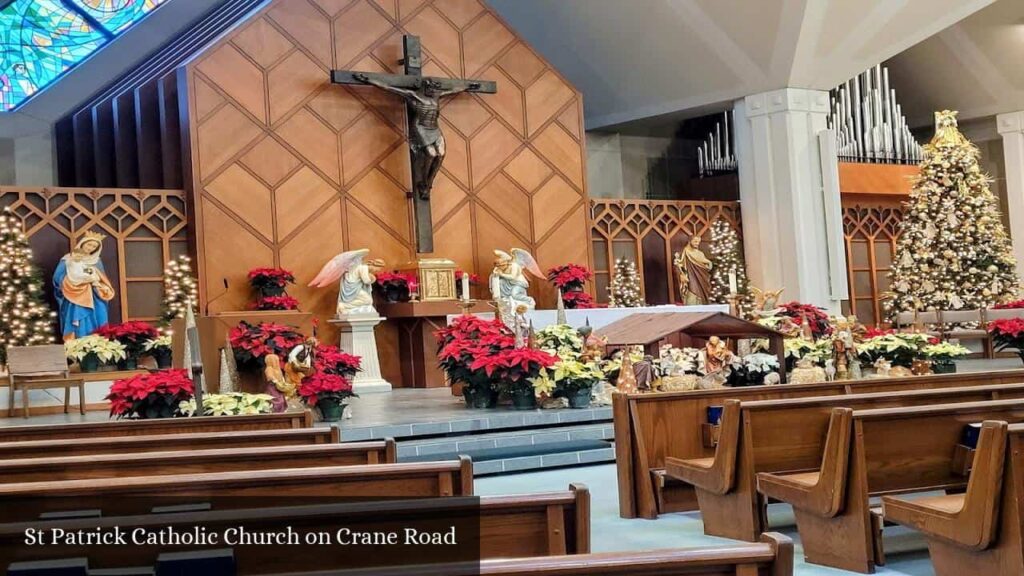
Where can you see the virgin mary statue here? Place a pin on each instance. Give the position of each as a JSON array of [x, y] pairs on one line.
[[82, 288]]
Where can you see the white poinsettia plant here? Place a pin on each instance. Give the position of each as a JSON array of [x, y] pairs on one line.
[[568, 375], [944, 352], [158, 343], [231, 404], [561, 340], [674, 361], [760, 363], [107, 351], [899, 348]]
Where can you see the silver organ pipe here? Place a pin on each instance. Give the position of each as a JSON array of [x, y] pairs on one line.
[[869, 123], [716, 154]]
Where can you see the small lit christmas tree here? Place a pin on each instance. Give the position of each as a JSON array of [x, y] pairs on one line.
[[25, 319], [180, 287], [726, 259], [624, 291], [952, 252]]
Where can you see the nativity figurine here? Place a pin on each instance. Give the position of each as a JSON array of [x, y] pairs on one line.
[[82, 288], [766, 302], [509, 285], [357, 275]]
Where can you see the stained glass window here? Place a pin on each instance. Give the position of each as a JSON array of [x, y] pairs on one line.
[[42, 39]]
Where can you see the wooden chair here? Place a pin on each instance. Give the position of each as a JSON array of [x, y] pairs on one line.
[[964, 317], [39, 368]]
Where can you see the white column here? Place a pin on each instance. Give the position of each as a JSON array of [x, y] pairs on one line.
[[357, 337], [782, 205], [1011, 127]]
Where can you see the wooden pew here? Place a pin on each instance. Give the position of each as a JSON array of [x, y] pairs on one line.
[[979, 531], [773, 556], [785, 436], [132, 495], [149, 427], [168, 442], [516, 526], [651, 427], [117, 465], [871, 453]]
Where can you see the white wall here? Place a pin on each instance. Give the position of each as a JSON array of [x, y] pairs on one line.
[[618, 164]]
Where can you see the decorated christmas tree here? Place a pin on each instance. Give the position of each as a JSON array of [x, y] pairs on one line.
[[952, 252], [25, 319], [727, 263], [624, 291], [179, 287]]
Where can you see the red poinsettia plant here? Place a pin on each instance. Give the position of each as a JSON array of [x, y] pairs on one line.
[[578, 300], [400, 279], [1008, 333], [321, 386], [876, 332], [569, 277], [465, 340], [814, 316], [331, 360], [1009, 305], [133, 335], [275, 303], [514, 365], [151, 395], [252, 342], [270, 277]]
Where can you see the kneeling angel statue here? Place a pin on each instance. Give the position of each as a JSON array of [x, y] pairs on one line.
[[509, 285], [357, 275]]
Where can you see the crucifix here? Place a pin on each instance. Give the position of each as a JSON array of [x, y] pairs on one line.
[[423, 95]]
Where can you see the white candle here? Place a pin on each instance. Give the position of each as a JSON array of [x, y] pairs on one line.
[[465, 286], [732, 282]]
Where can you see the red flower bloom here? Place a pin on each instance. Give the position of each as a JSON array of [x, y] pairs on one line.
[[578, 300], [331, 360], [252, 342], [473, 278], [270, 276], [569, 276], [155, 394], [133, 334], [816, 317], [1009, 305], [319, 386], [875, 332], [275, 303]]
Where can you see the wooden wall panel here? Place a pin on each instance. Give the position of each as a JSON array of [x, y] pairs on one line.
[[289, 169]]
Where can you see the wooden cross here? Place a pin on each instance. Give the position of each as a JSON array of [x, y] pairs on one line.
[[423, 95]]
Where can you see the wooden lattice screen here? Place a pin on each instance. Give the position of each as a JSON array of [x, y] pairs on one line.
[[145, 229], [649, 232], [871, 230]]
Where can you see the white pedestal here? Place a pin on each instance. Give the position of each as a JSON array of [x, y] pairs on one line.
[[357, 338]]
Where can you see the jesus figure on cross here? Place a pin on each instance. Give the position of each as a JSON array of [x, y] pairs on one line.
[[426, 141]]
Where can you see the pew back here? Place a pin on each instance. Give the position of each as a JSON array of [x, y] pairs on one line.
[[153, 426], [553, 523], [167, 442], [133, 495], [650, 427], [117, 465]]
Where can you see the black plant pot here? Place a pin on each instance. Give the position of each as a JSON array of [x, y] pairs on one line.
[[271, 290], [394, 293], [523, 398], [129, 363], [944, 368], [163, 358], [580, 398], [480, 397]]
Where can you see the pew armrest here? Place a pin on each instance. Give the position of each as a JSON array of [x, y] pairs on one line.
[[718, 474], [822, 492], [967, 520]]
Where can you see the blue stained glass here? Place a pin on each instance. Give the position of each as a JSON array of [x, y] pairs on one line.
[[42, 39]]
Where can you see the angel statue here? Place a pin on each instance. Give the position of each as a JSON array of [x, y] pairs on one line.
[[357, 275], [509, 284], [766, 302]]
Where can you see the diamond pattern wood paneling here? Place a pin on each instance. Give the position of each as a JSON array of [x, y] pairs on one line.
[[293, 169]]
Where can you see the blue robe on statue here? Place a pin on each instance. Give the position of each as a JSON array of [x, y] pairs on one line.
[[82, 305]]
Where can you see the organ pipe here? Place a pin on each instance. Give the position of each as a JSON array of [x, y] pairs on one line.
[[715, 155], [869, 123]]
